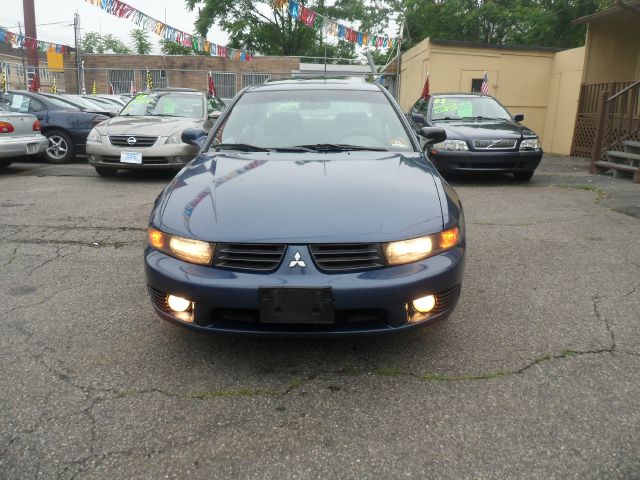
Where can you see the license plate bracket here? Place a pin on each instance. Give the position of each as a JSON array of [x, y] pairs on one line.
[[297, 305]]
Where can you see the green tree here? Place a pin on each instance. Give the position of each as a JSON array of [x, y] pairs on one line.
[[504, 22], [169, 47], [141, 42], [93, 42], [114, 45], [256, 25]]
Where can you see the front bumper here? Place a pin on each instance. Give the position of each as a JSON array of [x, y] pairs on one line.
[[159, 156], [21, 146], [373, 301], [475, 161]]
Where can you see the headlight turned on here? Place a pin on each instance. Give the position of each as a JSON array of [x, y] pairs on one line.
[[530, 144], [186, 249], [458, 145], [408, 251]]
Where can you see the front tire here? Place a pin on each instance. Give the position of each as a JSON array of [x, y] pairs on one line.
[[106, 172], [523, 176], [60, 148]]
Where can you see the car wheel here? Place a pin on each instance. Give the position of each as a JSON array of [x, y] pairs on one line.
[[524, 176], [60, 148], [106, 172]]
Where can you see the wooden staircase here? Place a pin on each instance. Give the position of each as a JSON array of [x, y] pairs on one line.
[[627, 161], [617, 139]]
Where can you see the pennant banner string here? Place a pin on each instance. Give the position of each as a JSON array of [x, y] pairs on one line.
[[320, 22], [22, 41], [121, 9]]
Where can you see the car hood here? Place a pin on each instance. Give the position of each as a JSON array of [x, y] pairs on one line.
[[310, 198], [484, 130], [151, 125]]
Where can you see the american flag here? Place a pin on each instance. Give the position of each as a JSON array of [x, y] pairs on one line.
[[484, 88]]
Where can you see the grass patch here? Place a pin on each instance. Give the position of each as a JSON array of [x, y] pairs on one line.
[[242, 392], [587, 188]]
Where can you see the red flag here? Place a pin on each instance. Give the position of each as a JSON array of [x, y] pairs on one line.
[[35, 84], [110, 88], [212, 86], [133, 89], [425, 90]]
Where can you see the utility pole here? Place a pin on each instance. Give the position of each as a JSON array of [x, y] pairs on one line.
[[30, 32], [24, 63], [399, 54], [78, 38]]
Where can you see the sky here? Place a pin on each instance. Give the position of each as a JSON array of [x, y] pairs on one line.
[[94, 19], [54, 20]]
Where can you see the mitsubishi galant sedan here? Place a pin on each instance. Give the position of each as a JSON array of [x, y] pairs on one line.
[[310, 210]]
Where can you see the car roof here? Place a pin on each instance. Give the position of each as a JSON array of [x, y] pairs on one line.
[[460, 94], [315, 84], [176, 89]]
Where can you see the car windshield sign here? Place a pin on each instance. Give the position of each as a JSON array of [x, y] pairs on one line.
[[165, 105], [317, 120], [467, 108]]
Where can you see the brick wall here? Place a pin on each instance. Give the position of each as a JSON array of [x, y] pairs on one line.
[[181, 71]]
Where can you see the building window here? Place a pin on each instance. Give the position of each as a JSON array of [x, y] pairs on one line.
[[249, 79], [121, 81], [225, 83], [158, 77], [476, 85]]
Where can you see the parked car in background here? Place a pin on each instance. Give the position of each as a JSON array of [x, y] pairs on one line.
[[147, 133], [310, 210], [83, 104], [65, 125], [482, 136], [19, 136], [115, 99]]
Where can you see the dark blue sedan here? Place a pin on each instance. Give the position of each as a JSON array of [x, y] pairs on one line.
[[310, 210], [65, 125]]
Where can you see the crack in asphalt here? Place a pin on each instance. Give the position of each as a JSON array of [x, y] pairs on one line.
[[600, 316], [74, 227]]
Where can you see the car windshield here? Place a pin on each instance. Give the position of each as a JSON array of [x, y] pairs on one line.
[[165, 105], [311, 119], [477, 108]]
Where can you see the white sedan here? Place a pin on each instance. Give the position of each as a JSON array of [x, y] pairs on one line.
[[19, 136]]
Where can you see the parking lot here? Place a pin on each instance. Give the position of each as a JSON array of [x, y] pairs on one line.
[[535, 375]]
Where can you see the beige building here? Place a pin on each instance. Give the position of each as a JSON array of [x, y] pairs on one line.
[[541, 83]]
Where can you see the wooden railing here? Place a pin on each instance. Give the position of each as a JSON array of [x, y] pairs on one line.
[[589, 103], [618, 119]]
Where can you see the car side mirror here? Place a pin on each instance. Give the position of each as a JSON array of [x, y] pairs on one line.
[[194, 136], [433, 135], [518, 117], [417, 117]]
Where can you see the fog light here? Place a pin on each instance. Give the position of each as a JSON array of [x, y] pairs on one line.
[[178, 304], [424, 304]]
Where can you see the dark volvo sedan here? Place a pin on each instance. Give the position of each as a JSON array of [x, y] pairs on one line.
[[310, 210], [481, 135]]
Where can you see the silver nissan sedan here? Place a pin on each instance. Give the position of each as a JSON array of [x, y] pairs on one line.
[[147, 133]]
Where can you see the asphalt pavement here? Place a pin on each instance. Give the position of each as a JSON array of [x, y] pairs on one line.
[[535, 375]]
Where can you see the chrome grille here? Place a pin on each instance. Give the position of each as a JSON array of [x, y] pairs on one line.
[[159, 299], [141, 141], [347, 256], [499, 144], [247, 256]]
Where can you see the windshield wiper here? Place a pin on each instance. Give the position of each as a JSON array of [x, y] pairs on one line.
[[445, 118], [480, 117], [242, 147], [339, 147]]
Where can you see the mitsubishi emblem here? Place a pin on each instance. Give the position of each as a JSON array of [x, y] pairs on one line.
[[296, 262]]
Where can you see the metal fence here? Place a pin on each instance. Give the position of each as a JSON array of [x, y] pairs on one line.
[[227, 84]]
